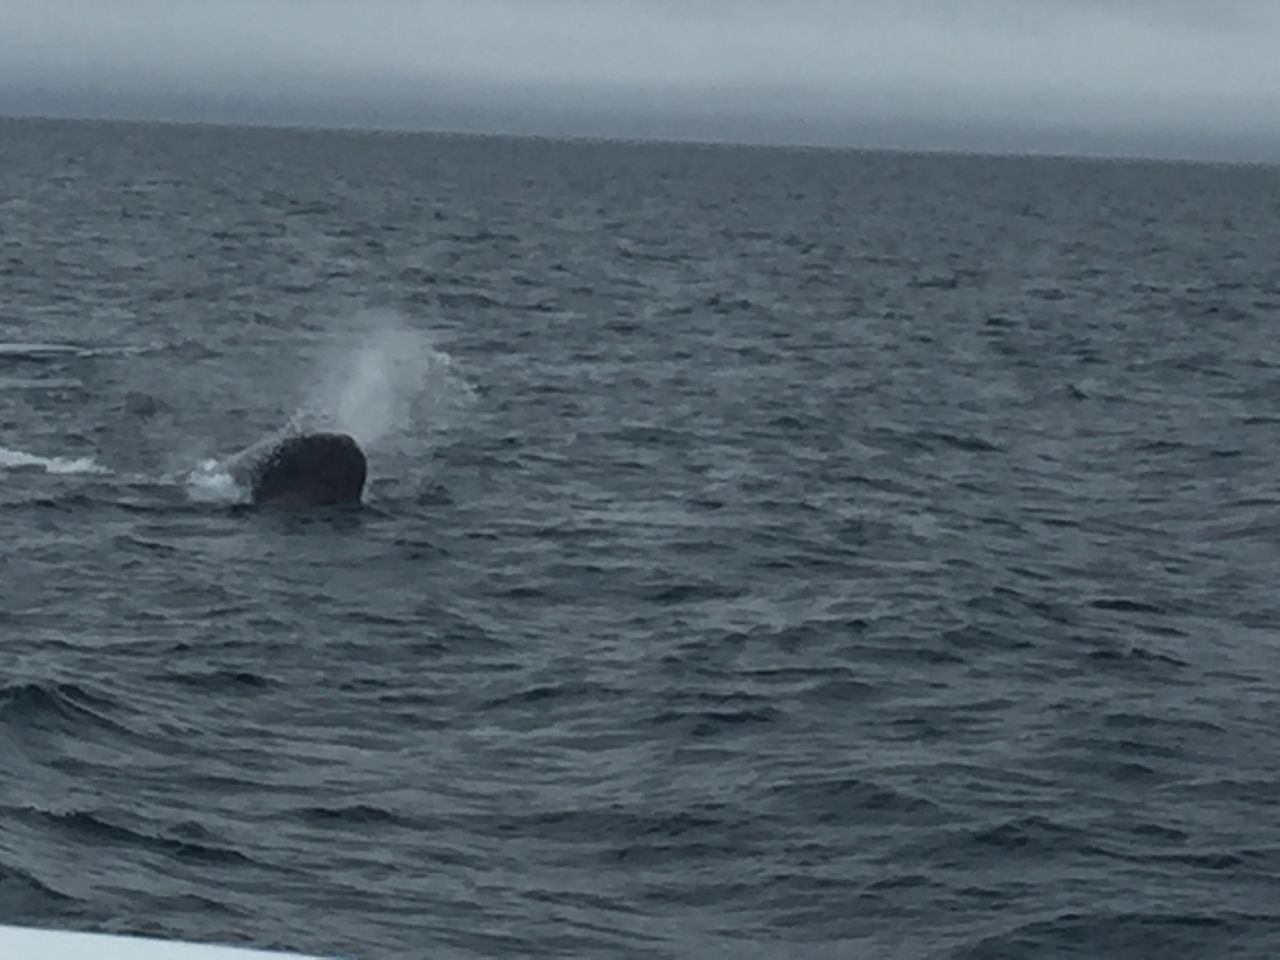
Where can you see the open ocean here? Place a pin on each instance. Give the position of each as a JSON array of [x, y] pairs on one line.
[[768, 553]]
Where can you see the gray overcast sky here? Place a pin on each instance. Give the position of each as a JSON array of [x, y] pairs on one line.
[[1171, 77]]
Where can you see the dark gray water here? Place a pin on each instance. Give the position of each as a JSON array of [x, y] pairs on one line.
[[767, 554]]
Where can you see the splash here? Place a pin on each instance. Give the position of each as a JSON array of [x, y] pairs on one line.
[[211, 482], [18, 460], [385, 384]]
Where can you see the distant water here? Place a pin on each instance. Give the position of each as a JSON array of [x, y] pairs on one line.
[[768, 554]]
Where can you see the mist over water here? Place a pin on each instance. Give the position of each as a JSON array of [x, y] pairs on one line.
[[384, 384]]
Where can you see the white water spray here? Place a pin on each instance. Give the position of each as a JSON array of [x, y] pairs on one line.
[[389, 383], [212, 482]]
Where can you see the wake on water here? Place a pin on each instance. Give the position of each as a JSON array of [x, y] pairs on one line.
[[388, 387]]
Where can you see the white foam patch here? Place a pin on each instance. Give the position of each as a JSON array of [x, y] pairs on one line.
[[211, 482], [19, 460]]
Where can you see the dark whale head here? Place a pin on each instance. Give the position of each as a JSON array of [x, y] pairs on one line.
[[309, 470]]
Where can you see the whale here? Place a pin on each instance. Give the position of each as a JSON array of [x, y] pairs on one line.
[[304, 470]]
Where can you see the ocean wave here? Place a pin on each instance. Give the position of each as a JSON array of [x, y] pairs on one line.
[[43, 352], [40, 383], [37, 704], [1140, 934], [99, 829], [24, 894], [40, 351]]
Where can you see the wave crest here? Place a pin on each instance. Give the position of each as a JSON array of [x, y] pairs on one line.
[[21, 460]]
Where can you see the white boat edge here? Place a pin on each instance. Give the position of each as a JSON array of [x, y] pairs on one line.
[[29, 943]]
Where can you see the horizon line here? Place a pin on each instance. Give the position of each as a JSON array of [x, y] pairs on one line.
[[495, 132]]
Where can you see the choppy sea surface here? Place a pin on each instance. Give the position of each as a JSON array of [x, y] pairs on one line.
[[767, 553]]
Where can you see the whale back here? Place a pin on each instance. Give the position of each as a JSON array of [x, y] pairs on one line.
[[312, 469]]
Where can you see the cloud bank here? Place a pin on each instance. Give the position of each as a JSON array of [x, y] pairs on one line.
[[996, 72]]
